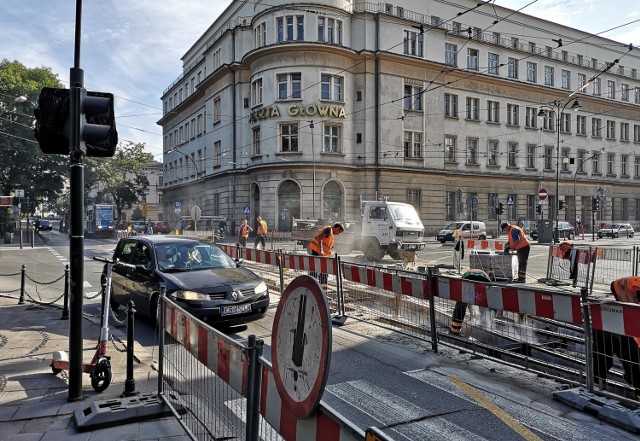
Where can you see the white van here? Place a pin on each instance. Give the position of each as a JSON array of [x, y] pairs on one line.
[[468, 230]]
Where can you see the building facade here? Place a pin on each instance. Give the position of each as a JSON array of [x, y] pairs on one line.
[[302, 110]]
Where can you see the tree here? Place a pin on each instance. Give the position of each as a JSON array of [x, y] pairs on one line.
[[22, 164], [120, 180]]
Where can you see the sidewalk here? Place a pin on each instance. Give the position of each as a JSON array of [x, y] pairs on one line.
[[33, 401]]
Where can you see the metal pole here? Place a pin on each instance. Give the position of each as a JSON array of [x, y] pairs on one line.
[[76, 235], [587, 339], [432, 310], [130, 382], [161, 301], [65, 305], [313, 158], [556, 237], [23, 273]]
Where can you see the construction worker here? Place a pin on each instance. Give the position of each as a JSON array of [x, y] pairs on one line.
[[261, 234], [243, 233], [460, 309], [519, 243], [322, 245], [607, 344]]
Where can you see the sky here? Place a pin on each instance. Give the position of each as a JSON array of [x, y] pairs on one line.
[[133, 48]]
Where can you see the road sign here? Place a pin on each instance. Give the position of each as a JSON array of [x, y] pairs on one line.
[[246, 209], [509, 200], [176, 206], [19, 192], [196, 213], [542, 194]]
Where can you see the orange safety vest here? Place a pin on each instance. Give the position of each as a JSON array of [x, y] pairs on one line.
[[244, 230], [627, 290], [323, 242], [517, 244], [262, 228]]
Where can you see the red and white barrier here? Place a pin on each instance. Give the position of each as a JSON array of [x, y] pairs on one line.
[[617, 317], [300, 262], [583, 256], [557, 306], [414, 287], [251, 254], [477, 244]]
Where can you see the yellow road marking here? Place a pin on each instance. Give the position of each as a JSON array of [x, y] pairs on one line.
[[487, 404]]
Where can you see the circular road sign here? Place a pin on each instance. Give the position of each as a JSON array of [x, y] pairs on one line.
[[542, 194], [195, 213]]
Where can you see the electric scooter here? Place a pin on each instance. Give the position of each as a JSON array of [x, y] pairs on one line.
[[100, 367]]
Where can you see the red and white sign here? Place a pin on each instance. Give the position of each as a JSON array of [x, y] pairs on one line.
[[542, 194]]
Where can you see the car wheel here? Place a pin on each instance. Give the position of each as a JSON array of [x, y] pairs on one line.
[[615, 235], [483, 237], [570, 236], [630, 235], [442, 241]]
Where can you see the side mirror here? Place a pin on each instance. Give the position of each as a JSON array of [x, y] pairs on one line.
[[239, 261]]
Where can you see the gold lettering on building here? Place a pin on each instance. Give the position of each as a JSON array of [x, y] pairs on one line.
[[322, 110]]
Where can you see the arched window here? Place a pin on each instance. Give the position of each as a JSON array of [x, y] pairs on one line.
[[288, 204], [332, 209]]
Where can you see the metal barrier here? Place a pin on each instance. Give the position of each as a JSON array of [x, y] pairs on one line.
[[570, 264], [614, 263]]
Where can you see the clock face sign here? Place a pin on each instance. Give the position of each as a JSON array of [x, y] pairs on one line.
[[301, 345]]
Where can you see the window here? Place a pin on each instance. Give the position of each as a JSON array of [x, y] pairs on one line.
[[412, 144], [513, 68], [290, 28], [449, 148], [594, 63], [624, 159], [492, 152], [580, 59], [582, 82], [513, 114], [597, 87], [435, 21], [413, 43], [495, 38], [477, 33], [515, 43], [217, 110], [217, 153], [548, 121], [289, 137], [531, 120], [472, 151], [624, 92], [451, 54], [565, 159], [610, 163], [259, 36], [532, 47], [332, 138], [549, 51], [532, 72], [611, 129], [566, 79], [256, 141], [472, 59], [565, 56], [596, 127], [329, 30], [473, 109], [450, 206], [512, 149], [611, 89], [414, 197], [456, 28], [451, 105], [492, 203], [595, 164], [624, 131], [531, 156], [565, 123], [331, 87], [636, 133], [636, 168], [412, 97], [580, 166], [256, 92], [581, 125], [548, 154], [289, 86], [494, 63], [634, 73], [636, 95], [493, 111], [548, 76]]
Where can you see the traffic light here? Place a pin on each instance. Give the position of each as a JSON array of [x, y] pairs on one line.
[[98, 135], [500, 208], [560, 205], [595, 203], [539, 209]]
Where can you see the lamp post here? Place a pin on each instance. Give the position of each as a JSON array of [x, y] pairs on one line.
[[175, 149], [313, 159], [575, 204], [558, 106]]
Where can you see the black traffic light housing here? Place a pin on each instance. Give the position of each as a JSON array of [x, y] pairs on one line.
[[539, 209], [98, 135], [560, 205], [500, 208], [595, 203]]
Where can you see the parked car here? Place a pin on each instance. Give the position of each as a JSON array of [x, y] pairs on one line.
[[616, 230], [565, 230], [198, 276], [162, 227], [479, 231], [528, 226], [140, 227]]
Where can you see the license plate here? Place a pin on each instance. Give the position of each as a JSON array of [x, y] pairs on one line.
[[235, 309]]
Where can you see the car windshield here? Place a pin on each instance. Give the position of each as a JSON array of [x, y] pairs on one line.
[[192, 256], [454, 226], [405, 213]]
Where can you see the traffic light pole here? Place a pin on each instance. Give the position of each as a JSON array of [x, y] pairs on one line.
[[76, 232]]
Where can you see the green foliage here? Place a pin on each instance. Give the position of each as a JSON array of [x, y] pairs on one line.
[[122, 178]]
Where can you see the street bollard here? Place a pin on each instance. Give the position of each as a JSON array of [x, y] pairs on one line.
[[255, 348], [130, 382], [65, 305], [23, 275]]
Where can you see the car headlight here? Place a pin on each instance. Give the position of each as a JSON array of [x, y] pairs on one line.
[[260, 288], [190, 295]]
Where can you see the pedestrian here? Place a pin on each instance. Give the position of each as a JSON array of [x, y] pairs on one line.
[[517, 242], [243, 233], [261, 234], [460, 309], [322, 245], [149, 229], [607, 344]]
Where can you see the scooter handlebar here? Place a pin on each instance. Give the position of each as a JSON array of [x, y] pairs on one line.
[[103, 259]]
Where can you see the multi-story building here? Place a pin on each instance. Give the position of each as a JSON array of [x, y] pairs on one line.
[[303, 109]]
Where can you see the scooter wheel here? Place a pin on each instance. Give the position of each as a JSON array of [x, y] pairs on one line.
[[101, 376]]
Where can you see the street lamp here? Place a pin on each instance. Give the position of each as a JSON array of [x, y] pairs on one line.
[[175, 149], [558, 106], [575, 204], [313, 158]]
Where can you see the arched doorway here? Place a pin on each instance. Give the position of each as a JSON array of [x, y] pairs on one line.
[[288, 203], [332, 209]]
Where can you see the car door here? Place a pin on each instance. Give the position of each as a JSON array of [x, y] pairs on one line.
[[119, 282]]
